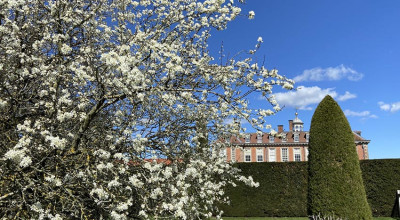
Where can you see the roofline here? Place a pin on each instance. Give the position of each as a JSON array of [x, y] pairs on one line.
[[287, 143], [271, 144]]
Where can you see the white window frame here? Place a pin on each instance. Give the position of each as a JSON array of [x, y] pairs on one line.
[[247, 152], [285, 158], [284, 138], [259, 138], [272, 156], [260, 153], [224, 154], [271, 139], [296, 137], [233, 154], [297, 152], [247, 139], [306, 152]]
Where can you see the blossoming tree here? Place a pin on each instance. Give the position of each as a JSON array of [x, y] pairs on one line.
[[91, 91]]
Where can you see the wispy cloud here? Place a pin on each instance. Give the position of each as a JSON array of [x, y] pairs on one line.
[[303, 97], [347, 95], [363, 114], [329, 74], [392, 107]]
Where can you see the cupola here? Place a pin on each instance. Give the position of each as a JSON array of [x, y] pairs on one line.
[[297, 124]]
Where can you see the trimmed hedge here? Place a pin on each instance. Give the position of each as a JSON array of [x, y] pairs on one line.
[[381, 180], [283, 189], [335, 184]]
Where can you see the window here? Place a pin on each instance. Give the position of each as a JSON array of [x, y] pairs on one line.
[[271, 139], [298, 127], [306, 149], [271, 154], [233, 154], [284, 138], [247, 155], [296, 137], [297, 154], [259, 138], [285, 155], [365, 154], [307, 137], [223, 153], [247, 138], [260, 154]]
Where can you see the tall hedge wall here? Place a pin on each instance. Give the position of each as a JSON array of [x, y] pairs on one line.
[[283, 189]]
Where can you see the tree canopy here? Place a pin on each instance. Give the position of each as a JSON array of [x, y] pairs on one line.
[[92, 91]]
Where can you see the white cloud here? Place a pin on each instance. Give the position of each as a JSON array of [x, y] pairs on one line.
[[230, 121], [347, 95], [330, 74], [393, 107], [363, 114], [303, 97]]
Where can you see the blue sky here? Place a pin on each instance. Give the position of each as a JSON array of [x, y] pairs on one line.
[[348, 49]]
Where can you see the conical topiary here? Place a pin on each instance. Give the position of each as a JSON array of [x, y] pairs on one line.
[[335, 185]]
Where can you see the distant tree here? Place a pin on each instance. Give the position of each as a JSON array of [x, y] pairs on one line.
[[91, 91], [335, 185]]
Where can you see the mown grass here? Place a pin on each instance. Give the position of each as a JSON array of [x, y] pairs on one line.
[[283, 218]]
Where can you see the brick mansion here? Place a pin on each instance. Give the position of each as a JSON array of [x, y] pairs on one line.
[[291, 145]]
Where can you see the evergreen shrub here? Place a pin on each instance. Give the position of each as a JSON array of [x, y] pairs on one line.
[[335, 185]]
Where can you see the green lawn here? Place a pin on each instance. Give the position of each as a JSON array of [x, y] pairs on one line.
[[276, 218]]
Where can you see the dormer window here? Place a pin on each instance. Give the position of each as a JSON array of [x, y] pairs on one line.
[[247, 139], [284, 138], [296, 137], [271, 139], [307, 137], [259, 138]]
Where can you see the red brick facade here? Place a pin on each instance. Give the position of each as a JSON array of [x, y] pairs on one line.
[[289, 145]]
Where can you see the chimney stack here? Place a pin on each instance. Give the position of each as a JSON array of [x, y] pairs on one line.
[[280, 128], [290, 125]]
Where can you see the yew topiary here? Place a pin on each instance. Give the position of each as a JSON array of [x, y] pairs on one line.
[[335, 183]]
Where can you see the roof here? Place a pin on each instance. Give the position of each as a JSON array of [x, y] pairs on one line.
[[358, 138]]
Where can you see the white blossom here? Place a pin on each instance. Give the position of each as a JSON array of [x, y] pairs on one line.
[[251, 14], [25, 162], [136, 182], [100, 193], [114, 183]]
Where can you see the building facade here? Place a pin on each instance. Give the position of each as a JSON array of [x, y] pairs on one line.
[[284, 146]]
